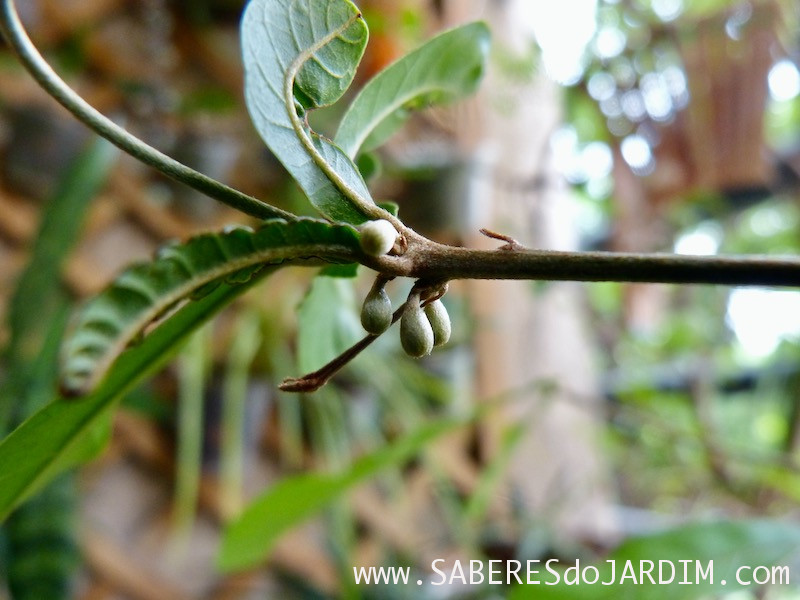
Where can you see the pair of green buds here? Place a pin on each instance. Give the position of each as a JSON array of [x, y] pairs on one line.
[[423, 324]]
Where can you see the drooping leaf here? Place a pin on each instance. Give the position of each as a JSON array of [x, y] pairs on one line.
[[117, 316], [42, 554], [234, 425], [725, 545], [39, 303], [45, 444], [491, 476], [327, 323], [300, 55], [444, 69], [193, 364], [249, 539]]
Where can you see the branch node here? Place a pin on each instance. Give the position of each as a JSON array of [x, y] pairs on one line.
[[433, 292]]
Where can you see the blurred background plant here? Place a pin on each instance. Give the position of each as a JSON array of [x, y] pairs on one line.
[[561, 419]]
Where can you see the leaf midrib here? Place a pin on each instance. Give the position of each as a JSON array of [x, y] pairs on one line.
[[367, 207]]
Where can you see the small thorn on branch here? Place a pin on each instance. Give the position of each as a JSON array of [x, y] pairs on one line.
[[510, 243]]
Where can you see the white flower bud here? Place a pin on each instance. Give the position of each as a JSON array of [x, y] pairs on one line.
[[416, 334], [377, 237], [376, 313], [440, 322]]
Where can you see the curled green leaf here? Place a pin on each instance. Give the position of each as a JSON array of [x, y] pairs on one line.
[[300, 55], [120, 314]]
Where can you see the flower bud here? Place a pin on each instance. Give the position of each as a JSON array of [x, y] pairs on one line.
[[376, 312], [377, 237], [416, 334], [440, 322]]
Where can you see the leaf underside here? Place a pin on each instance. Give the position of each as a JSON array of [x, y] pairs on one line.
[[121, 313], [323, 41]]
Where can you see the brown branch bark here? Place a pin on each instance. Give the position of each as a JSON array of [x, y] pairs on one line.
[[436, 262]]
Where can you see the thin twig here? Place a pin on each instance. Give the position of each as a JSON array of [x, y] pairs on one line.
[[511, 243], [32, 60], [313, 381]]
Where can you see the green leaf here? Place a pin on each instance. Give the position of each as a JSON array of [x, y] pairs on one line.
[[249, 540], [370, 166], [347, 271], [245, 345], [727, 544], [446, 68], [193, 362], [44, 445], [117, 316], [42, 555], [492, 475], [390, 207], [328, 325], [300, 55], [58, 231], [39, 304]]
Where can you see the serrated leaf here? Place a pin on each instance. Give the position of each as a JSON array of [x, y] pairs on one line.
[[119, 315], [46, 444], [300, 55], [249, 539], [446, 68]]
